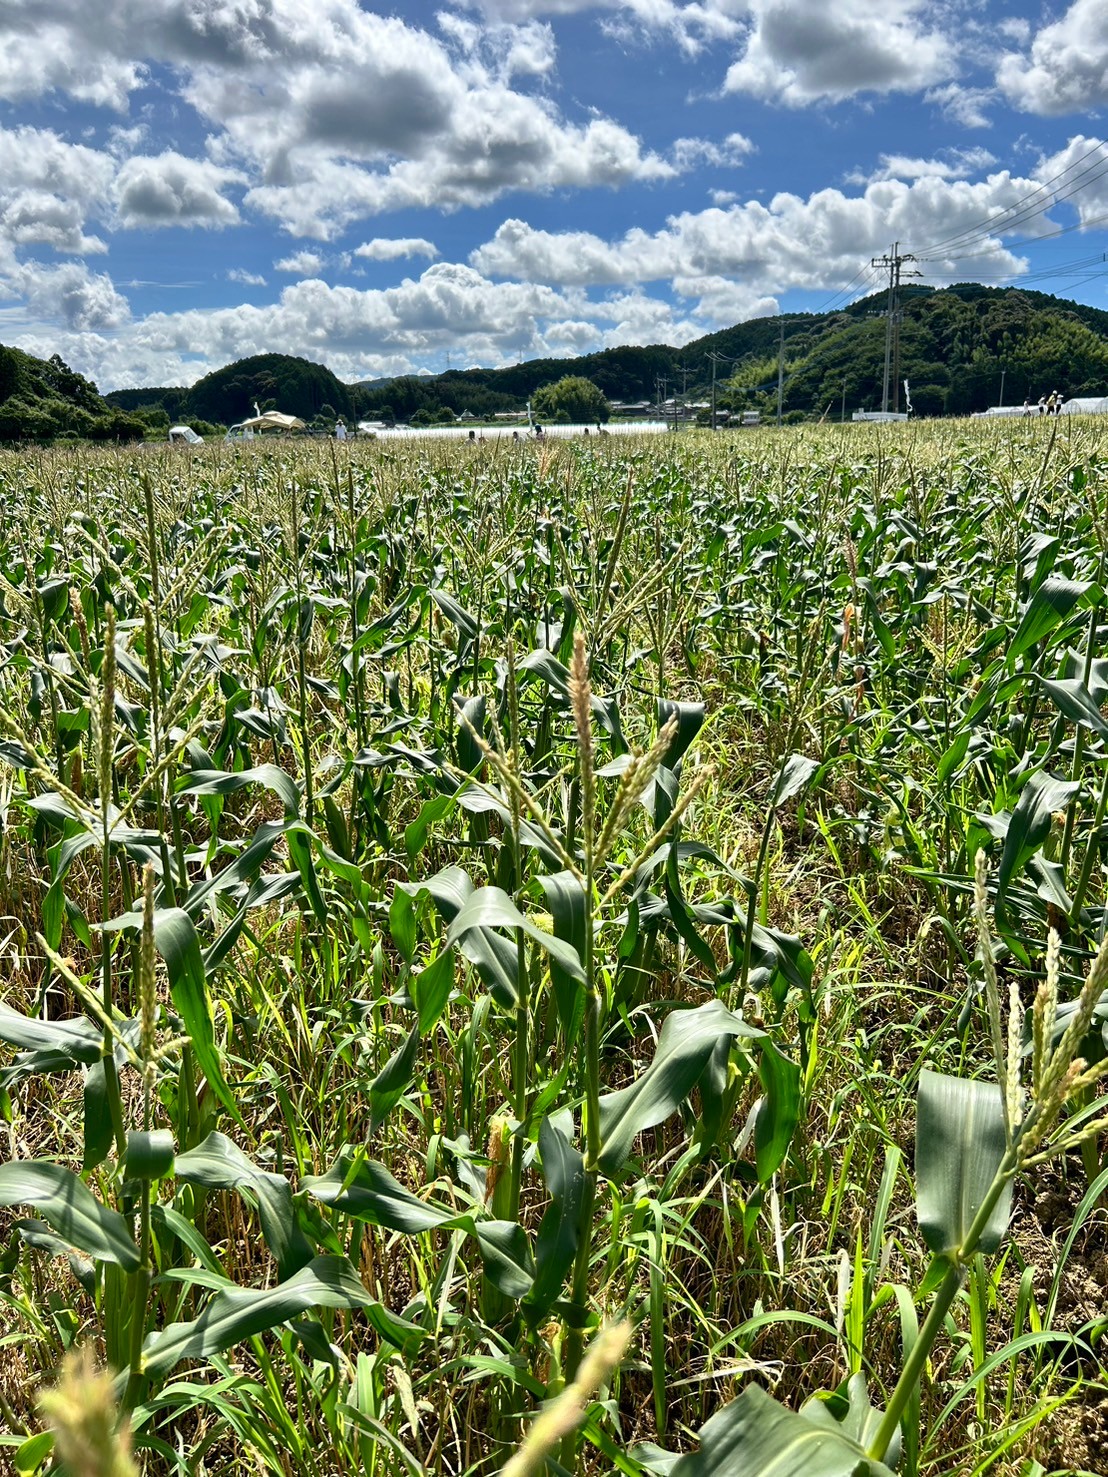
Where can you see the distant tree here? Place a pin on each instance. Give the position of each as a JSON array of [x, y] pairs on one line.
[[572, 398]]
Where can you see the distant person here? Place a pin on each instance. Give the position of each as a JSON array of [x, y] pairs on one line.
[[473, 435], [340, 431], [1027, 405], [1042, 405]]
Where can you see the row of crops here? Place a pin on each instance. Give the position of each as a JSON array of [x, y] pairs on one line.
[[578, 956]]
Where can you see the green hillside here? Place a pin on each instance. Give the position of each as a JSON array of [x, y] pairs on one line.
[[43, 400], [270, 381], [955, 344]]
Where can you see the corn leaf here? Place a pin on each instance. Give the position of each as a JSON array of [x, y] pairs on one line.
[[219, 1164], [755, 1436], [238, 1313], [70, 1207], [960, 1143]]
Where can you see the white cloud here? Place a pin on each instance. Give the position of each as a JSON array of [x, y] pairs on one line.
[[804, 51], [49, 188], [301, 264], [691, 153], [69, 295], [1080, 169], [964, 105], [959, 164], [248, 279], [170, 190], [1067, 68], [392, 249]]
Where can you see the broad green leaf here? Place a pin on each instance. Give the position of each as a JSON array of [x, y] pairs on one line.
[[99, 1129], [1074, 701], [394, 1079], [219, 782], [177, 942], [960, 1144], [77, 1039], [849, 1411], [366, 1190], [70, 1207], [794, 774], [754, 1436], [494, 957], [1030, 824], [430, 989], [779, 1113], [238, 1313], [491, 907], [565, 897], [219, 1164], [684, 1047], [506, 1256], [1051, 603], [559, 1230], [149, 1154]]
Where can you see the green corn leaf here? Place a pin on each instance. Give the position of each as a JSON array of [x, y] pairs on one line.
[[99, 1130], [176, 940], [238, 1313], [1030, 824], [365, 1189], [70, 1207], [559, 1230], [1051, 603], [219, 1164], [506, 1256], [960, 1144], [430, 989], [394, 1079], [1074, 701], [779, 1113], [491, 907], [76, 1039], [684, 1048], [149, 1154], [755, 1436], [795, 773], [220, 782], [849, 1411], [565, 897], [494, 957]]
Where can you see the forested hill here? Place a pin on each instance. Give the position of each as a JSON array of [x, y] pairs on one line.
[[43, 400], [955, 345]]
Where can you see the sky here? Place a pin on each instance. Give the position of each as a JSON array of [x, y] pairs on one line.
[[184, 183]]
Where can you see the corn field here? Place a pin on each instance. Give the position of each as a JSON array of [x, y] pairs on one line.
[[583, 957]]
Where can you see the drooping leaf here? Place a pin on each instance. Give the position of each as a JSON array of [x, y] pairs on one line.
[[366, 1190], [795, 773], [556, 1244], [779, 1113], [506, 1256], [960, 1144], [491, 907], [237, 1313], [687, 1040], [70, 1207], [565, 897], [1030, 824], [220, 782], [430, 989], [176, 940], [755, 1436], [219, 1164], [394, 1079], [1051, 603]]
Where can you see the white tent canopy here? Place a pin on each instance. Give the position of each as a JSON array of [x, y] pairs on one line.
[[274, 420]]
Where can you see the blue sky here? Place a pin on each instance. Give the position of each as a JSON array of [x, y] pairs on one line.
[[187, 182]]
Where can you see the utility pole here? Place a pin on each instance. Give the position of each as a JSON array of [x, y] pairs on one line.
[[780, 367], [893, 261], [1003, 372], [842, 413], [713, 358]]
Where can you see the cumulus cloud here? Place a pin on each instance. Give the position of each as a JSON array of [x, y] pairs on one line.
[[69, 295], [958, 164], [171, 190], [248, 279], [301, 264], [748, 251], [799, 52], [392, 249], [1066, 69], [964, 105]]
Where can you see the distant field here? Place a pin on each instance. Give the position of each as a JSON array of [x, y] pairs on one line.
[[458, 898]]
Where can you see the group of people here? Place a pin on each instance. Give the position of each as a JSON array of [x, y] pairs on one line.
[[1048, 404]]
